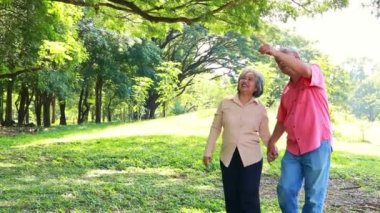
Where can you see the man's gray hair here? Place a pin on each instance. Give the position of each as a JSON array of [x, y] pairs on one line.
[[289, 50]]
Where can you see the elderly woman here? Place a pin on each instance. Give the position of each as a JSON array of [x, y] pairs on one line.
[[244, 121]]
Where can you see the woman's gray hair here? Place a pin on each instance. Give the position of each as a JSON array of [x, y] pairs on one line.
[[259, 81]]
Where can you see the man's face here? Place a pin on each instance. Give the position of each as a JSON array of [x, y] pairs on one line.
[[284, 69], [282, 66]]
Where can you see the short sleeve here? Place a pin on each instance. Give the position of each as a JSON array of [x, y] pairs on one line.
[[317, 78], [281, 113]]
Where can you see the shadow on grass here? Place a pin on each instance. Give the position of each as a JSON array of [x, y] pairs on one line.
[[141, 174], [137, 174]]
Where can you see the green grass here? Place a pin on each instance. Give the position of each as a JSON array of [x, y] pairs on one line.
[[139, 174], [53, 132], [363, 170], [150, 166]]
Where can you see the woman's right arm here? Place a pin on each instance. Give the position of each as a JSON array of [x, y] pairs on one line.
[[215, 130]]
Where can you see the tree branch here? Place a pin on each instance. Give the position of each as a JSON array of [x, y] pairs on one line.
[[170, 37], [19, 72], [130, 7], [185, 5], [304, 5]]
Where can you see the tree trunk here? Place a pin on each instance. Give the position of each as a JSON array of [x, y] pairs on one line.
[[109, 108], [87, 106], [151, 105], [98, 99], [53, 117], [123, 117], [109, 113], [83, 105], [23, 105], [38, 107], [27, 116], [164, 110], [104, 115], [62, 108], [80, 106], [46, 109], [28, 102], [1, 103], [8, 110]]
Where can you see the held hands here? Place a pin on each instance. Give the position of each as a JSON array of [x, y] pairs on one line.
[[272, 152]]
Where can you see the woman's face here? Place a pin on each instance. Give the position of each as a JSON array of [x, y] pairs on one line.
[[247, 83]]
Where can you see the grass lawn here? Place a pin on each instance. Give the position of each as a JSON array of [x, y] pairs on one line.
[[153, 166]]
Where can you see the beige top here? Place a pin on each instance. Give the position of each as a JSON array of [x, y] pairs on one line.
[[243, 126]]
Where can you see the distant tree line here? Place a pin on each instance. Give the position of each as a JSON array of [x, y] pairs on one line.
[[88, 61]]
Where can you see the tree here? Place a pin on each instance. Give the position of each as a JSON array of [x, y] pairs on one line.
[[22, 30], [140, 90], [337, 81], [24, 99], [143, 58], [197, 51], [233, 15], [41, 36], [168, 83], [105, 58], [366, 93], [28, 30], [118, 90], [366, 99], [207, 90], [1, 102]]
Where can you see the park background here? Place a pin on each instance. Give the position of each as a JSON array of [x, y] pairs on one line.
[[106, 105]]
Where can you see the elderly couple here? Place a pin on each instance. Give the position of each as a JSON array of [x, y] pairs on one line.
[[303, 114]]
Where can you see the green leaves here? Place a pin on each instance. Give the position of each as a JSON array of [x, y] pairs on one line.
[[140, 94], [219, 16], [55, 52], [168, 80], [367, 99]]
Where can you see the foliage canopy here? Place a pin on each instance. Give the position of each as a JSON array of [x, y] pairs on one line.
[[218, 15]]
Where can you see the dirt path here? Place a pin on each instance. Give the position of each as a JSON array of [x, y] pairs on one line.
[[14, 131], [343, 196]]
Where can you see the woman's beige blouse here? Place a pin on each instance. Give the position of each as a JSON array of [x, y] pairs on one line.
[[243, 126]]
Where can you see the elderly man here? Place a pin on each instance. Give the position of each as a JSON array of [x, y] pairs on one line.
[[304, 115]]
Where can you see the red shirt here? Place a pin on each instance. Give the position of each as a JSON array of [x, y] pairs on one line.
[[304, 113]]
